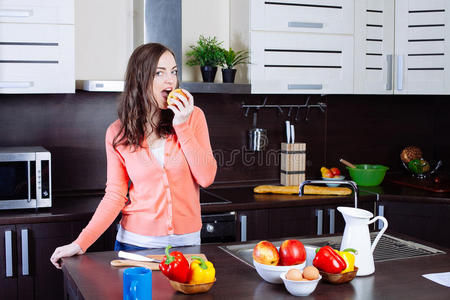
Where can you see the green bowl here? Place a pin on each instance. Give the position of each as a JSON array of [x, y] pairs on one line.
[[367, 175]]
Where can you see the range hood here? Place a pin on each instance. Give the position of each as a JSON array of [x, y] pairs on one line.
[[153, 21]]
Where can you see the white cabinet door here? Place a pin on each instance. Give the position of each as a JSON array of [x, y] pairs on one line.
[[324, 16], [422, 37], [301, 63], [374, 46], [36, 58], [37, 11]]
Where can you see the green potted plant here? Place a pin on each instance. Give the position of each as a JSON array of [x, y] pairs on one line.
[[207, 54], [232, 58]]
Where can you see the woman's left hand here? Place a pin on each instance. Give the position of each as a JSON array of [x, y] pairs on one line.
[[182, 108]]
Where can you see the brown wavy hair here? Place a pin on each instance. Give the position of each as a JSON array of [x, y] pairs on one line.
[[137, 106]]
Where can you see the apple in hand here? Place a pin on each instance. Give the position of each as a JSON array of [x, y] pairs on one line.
[[266, 253], [292, 252]]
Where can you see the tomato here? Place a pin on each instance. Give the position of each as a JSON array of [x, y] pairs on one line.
[[292, 252], [335, 171]]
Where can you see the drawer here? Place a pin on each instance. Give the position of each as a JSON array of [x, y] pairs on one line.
[[301, 63], [37, 11], [326, 16], [36, 58]]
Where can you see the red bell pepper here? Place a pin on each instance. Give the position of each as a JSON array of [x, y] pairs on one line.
[[175, 266], [328, 260]]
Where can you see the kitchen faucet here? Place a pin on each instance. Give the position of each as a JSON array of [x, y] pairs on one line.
[[346, 182]]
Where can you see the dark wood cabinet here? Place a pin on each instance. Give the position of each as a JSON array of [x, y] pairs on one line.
[[427, 221], [292, 221], [25, 249], [253, 225], [25, 268]]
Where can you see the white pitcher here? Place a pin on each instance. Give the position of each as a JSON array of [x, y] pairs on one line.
[[357, 236]]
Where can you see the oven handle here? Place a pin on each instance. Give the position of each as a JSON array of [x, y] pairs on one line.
[[243, 219]]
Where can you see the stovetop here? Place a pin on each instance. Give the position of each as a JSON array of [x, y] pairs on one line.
[[209, 198]]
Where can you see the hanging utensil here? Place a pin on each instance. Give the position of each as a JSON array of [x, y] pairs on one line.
[[257, 137]]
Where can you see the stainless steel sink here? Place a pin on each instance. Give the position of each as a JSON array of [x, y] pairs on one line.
[[388, 248]]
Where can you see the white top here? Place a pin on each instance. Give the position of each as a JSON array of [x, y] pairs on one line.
[[159, 153]]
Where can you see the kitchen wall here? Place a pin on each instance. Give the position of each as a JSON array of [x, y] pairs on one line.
[[359, 128]]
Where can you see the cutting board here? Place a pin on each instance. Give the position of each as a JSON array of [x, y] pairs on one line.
[[147, 264], [428, 184]]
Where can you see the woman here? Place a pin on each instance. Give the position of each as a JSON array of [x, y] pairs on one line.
[[158, 155]]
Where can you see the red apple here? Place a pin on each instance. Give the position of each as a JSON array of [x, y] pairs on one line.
[[335, 171], [266, 253], [292, 252]]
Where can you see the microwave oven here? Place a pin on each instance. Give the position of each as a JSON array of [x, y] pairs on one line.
[[25, 178]]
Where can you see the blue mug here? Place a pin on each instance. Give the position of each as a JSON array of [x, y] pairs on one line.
[[137, 284]]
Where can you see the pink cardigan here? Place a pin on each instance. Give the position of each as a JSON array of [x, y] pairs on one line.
[[163, 200]]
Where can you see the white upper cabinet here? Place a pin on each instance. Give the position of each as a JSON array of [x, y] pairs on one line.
[[301, 63], [318, 16], [402, 47], [37, 46], [296, 46], [37, 11], [422, 37], [374, 46]]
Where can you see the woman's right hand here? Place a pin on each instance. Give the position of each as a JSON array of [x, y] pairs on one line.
[[65, 251]]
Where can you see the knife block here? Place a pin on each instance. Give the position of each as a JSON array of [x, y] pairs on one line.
[[293, 162]]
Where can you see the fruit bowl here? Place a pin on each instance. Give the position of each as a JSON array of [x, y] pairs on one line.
[[339, 277], [272, 273], [339, 177], [300, 288], [414, 172], [187, 288]]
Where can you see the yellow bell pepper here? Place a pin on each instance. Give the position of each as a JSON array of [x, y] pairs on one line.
[[201, 271], [349, 258]]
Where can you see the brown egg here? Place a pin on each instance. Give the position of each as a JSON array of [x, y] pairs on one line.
[[310, 273], [294, 274]]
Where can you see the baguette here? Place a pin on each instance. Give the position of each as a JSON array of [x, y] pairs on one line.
[[307, 190]]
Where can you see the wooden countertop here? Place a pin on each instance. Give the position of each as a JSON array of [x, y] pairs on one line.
[[90, 276]]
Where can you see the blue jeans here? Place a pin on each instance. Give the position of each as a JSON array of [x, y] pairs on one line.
[[119, 246]]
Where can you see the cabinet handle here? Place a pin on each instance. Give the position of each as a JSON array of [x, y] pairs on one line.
[[8, 253], [305, 25], [381, 214], [25, 261], [305, 86], [16, 84], [319, 215], [16, 13], [331, 215], [399, 72], [243, 219], [389, 72]]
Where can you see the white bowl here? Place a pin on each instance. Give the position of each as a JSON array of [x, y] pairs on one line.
[[300, 288], [340, 177], [272, 273]]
